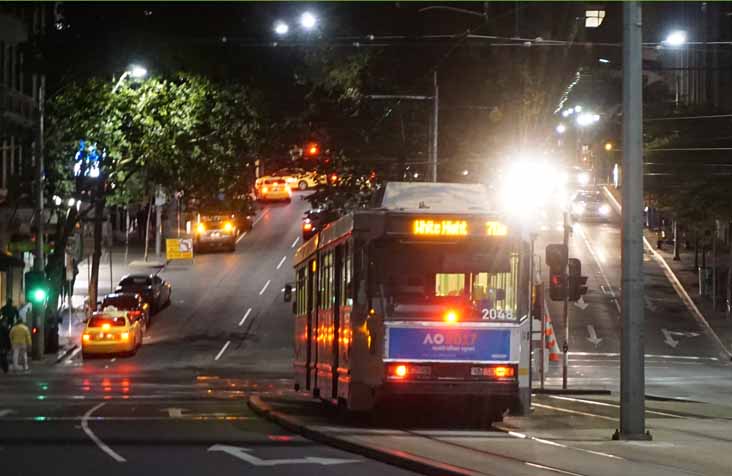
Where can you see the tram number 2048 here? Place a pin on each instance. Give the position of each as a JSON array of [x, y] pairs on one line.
[[497, 314]]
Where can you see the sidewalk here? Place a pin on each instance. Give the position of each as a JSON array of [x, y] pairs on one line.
[[687, 275]]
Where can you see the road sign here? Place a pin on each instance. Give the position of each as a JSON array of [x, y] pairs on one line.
[[179, 248]]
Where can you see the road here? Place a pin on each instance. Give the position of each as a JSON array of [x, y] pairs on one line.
[[179, 405], [682, 361]]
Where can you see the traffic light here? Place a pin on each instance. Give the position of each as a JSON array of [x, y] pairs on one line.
[[36, 287], [577, 282], [312, 149], [556, 259]]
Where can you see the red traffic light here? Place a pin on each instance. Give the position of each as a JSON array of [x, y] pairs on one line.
[[312, 149]]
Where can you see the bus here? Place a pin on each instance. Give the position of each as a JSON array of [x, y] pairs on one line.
[[425, 294]]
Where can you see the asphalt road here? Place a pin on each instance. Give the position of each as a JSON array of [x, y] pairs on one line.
[[682, 361], [179, 405]]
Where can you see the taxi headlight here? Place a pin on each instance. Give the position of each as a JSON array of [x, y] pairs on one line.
[[201, 228], [228, 226]]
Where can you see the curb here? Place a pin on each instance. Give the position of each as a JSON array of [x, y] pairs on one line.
[[570, 391], [65, 354], [397, 458]]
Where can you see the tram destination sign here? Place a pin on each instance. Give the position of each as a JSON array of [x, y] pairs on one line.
[[445, 226], [454, 344]]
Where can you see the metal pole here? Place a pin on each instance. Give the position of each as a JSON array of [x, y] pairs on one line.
[[676, 241], [71, 309], [39, 263], [531, 314], [127, 232], [435, 125], [632, 365], [714, 268], [111, 275], [565, 307], [159, 229]]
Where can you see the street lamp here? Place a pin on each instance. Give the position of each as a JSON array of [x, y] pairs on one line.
[[561, 129], [281, 28], [587, 119], [675, 39], [135, 71], [308, 20]]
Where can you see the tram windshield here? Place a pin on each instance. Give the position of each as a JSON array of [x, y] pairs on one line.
[[418, 279]]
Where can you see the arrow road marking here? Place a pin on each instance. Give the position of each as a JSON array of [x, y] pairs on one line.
[[295, 242], [684, 333], [281, 262], [668, 338], [649, 304], [243, 319], [265, 287], [593, 336], [223, 349], [243, 454], [174, 412], [608, 286], [580, 303], [6, 412]]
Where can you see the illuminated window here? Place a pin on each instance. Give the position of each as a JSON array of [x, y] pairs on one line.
[[594, 18], [449, 284], [497, 290]]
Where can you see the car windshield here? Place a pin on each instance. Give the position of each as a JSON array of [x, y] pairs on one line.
[[100, 321], [136, 281], [121, 302]]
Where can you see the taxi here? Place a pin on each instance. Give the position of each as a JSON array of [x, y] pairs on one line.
[[112, 331], [300, 179], [273, 188]]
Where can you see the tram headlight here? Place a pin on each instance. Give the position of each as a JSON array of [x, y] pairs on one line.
[[451, 316], [400, 371]]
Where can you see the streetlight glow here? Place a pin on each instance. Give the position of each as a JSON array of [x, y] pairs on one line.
[[586, 119], [138, 72], [281, 28], [675, 39], [308, 20], [561, 129]]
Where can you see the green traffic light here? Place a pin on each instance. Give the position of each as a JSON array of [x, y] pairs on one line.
[[39, 295]]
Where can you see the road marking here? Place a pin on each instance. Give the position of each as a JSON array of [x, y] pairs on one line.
[[572, 412], [295, 242], [599, 266], [174, 412], [5, 412], [555, 470], [113, 359], [593, 335], [241, 237], [607, 404], [266, 285], [73, 354], [580, 303], [668, 339], [223, 349], [243, 454], [260, 217], [243, 319], [102, 446], [652, 356], [678, 287], [282, 261], [649, 304]]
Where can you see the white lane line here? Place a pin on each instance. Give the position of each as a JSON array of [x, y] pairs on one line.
[[113, 359], [266, 285], [223, 349], [599, 266], [72, 355], [612, 405], [102, 446], [295, 242], [678, 287], [282, 261], [260, 217], [652, 356], [241, 237], [243, 319]]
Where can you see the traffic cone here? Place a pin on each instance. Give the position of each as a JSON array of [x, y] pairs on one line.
[[551, 341]]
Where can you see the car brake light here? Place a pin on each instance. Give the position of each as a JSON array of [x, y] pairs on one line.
[[228, 226], [86, 337], [201, 228], [265, 190], [125, 336], [400, 371], [307, 226], [105, 326], [503, 372]]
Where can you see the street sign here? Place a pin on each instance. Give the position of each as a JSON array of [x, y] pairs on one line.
[[179, 248]]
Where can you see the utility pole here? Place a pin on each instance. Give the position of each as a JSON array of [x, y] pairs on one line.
[[565, 307], [435, 124], [39, 340], [632, 363]]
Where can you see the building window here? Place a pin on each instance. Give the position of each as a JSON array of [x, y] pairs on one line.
[[594, 18]]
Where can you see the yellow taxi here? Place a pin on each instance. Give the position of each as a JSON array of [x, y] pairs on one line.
[[112, 331], [273, 188], [300, 179]]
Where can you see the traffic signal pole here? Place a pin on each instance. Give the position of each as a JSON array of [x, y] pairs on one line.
[[632, 364]]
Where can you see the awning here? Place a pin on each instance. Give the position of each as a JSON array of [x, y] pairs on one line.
[[8, 261]]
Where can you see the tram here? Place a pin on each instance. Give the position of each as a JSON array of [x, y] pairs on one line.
[[424, 294]]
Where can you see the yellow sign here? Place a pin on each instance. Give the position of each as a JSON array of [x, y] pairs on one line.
[[440, 227], [495, 228], [179, 248]]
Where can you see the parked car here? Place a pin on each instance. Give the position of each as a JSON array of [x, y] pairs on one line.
[[130, 302], [111, 331], [154, 290]]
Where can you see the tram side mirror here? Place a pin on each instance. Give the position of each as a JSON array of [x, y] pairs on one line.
[[288, 293]]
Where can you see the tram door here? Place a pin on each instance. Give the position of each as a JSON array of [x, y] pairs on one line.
[[312, 325]]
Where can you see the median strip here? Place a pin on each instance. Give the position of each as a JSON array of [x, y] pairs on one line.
[[243, 319], [266, 285]]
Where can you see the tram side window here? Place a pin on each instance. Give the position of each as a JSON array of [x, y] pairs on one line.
[[346, 276], [497, 290], [302, 291], [326, 280], [449, 284]]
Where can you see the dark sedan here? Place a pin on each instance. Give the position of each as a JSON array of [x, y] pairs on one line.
[[154, 290]]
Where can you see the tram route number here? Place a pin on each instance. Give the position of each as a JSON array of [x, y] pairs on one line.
[[497, 314]]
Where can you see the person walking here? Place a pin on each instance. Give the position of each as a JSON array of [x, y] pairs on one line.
[[4, 345], [9, 313], [20, 340]]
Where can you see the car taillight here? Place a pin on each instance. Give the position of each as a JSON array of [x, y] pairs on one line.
[[307, 226], [124, 336], [497, 372], [451, 317], [265, 190], [402, 371], [86, 337]]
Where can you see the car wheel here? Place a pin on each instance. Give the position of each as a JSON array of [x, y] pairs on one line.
[[303, 185]]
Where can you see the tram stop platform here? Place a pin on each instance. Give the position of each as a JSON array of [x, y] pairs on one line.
[[563, 435]]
